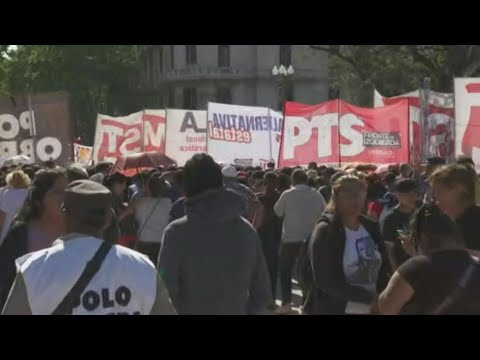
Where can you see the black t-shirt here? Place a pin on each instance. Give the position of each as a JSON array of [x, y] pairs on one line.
[[435, 277], [469, 224], [394, 221], [272, 225]]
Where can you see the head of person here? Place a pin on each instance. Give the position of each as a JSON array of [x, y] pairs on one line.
[[103, 168], [45, 197], [389, 179], [375, 188], [405, 190], [75, 173], [328, 173], [433, 164], [157, 186], [299, 177], [116, 183], [465, 160], [312, 173], [287, 171], [433, 230], [87, 207], [312, 166], [349, 194], [283, 182], [200, 174], [177, 178], [271, 165], [270, 181], [405, 170], [256, 180], [50, 164], [18, 180], [453, 187], [394, 168], [229, 173]]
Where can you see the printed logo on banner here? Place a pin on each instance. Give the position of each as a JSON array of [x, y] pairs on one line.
[[243, 162], [374, 139]]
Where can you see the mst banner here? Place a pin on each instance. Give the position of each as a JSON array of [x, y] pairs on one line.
[[467, 118], [243, 135], [441, 123], [186, 134], [336, 132], [40, 130], [141, 131]]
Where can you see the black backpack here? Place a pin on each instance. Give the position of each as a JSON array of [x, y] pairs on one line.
[[304, 268]]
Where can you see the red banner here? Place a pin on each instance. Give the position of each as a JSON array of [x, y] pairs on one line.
[[336, 132], [310, 133]]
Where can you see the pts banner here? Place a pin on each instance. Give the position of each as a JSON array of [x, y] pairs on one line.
[[336, 132], [39, 128], [116, 136]]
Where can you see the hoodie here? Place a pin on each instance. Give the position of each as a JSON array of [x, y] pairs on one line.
[[211, 259]]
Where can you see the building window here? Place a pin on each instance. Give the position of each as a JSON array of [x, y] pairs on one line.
[[224, 95], [172, 57], [171, 98], [189, 98], [223, 55], [190, 54], [286, 55]]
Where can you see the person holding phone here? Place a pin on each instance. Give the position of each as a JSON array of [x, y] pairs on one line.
[[397, 223]]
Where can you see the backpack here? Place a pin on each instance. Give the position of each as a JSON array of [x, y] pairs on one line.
[[304, 267]]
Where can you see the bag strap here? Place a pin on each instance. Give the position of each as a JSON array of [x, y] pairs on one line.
[[93, 266], [455, 295]]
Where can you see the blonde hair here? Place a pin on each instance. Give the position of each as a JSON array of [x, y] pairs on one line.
[[341, 183], [18, 180]]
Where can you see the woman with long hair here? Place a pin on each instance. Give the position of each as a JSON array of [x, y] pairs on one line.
[[347, 254], [442, 278], [37, 226]]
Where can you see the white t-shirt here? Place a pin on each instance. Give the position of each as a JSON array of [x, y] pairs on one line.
[[361, 259], [152, 215], [11, 203]]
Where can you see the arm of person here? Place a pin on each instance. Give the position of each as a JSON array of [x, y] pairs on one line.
[[162, 304], [169, 265], [129, 210], [259, 294], [327, 268], [17, 302], [279, 207], [2, 219], [259, 216], [397, 293]]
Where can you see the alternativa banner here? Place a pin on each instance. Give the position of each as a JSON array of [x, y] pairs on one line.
[[41, 131], [117, 136], [336, 132], [186, 134], [243, 134]]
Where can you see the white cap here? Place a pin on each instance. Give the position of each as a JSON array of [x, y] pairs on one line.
[[229, 171]]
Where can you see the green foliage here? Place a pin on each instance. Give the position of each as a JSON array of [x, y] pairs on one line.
[[97, 77]]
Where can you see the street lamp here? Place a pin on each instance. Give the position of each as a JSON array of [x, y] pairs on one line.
[[282, 75]]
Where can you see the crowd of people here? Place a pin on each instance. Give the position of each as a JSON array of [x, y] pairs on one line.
[[210, 238]]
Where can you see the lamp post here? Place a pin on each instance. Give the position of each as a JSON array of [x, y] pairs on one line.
[[282, 74]]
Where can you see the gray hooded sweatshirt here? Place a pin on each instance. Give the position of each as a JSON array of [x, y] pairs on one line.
[[212, 261]]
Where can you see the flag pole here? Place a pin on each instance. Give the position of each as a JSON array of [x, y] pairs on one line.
[[33, 127]]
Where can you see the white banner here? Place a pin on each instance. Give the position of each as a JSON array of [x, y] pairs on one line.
[[117, 136], [467, 118], [186, 134], [82, 154], [243, 134]]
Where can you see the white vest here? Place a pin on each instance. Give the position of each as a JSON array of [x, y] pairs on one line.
[[125, 284]]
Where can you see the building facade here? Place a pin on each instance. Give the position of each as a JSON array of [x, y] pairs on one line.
[[189, 76]]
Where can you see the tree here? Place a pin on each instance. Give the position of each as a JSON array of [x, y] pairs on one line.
[[97, 77], [396, 69]]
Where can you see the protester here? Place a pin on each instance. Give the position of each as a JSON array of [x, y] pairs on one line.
[[300, 208], [271, 166], [464, 160], [175, 190], [270, 231], [152, 212], [399, 219], [75, 172], [453, 187], [405, 171], [122, 282], [375, 192], [38, 225], [256, 181], [12, 200], [252, 209], [283, 183], [348, 258], [442, 280], [312, 166], [211, 259]]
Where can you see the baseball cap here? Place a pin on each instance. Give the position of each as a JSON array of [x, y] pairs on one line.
[[87, 201], [229, 171]]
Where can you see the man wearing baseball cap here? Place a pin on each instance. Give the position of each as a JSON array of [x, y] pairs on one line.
[[81, 274]]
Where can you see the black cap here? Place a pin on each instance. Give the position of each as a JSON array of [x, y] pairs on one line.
[[436, 161], [404, 186], [87, 201]]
